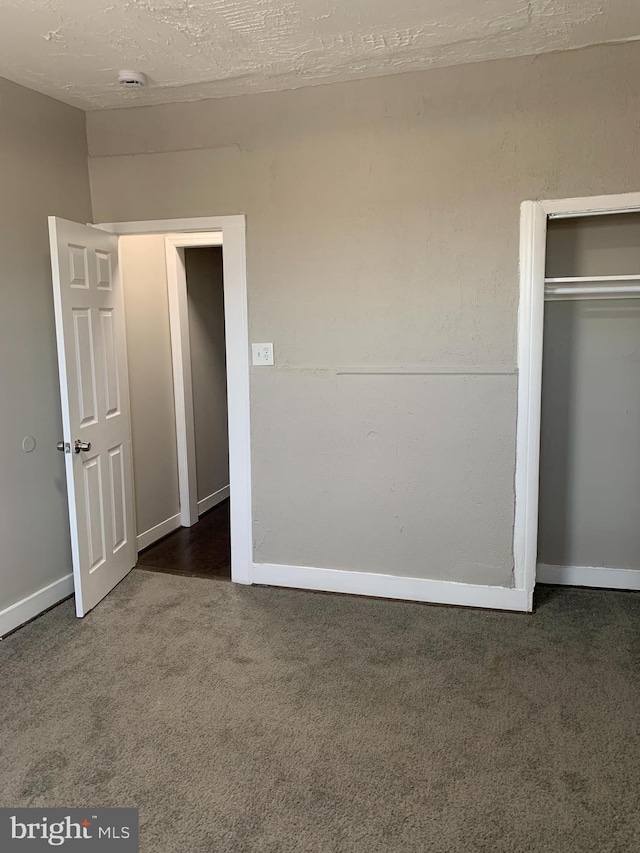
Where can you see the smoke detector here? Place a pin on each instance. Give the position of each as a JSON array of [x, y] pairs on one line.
[[132, 79]]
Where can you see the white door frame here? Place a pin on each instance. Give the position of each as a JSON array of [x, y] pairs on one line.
[[533, 245], [210, 231], [174, 245]]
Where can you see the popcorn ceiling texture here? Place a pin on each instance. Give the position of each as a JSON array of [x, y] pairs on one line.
[[193, 49]]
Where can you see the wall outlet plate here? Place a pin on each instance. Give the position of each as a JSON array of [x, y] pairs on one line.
[[262, 355]]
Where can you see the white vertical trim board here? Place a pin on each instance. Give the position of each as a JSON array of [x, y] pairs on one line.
[[212, 231], [181, 359], [594, 576], [533, 235], [533, 245], [236, 324], [390, 586], [28, 608], [213, 500], [158, 531]]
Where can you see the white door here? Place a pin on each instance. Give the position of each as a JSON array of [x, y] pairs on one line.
[[94, 390]]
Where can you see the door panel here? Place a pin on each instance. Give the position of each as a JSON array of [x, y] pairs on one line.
[[95, 407], [118, 498], [112, 389], [85, 366]]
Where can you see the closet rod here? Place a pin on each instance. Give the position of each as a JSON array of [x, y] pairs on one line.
[[425, 371], [592, 279], [628, 292]]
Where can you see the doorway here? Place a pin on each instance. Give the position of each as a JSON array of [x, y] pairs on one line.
[[179, 234], [588, 532], [579, 288], [94, 390], [175, 320]]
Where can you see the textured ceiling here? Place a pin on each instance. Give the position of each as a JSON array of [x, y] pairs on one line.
[[190, 49]]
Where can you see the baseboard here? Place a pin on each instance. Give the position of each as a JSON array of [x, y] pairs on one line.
[[154, 533], [17, 614], [211, 500], [390, 586], [588, 576]]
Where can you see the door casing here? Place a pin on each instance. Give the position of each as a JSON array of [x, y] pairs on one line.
[[210, 231], [534, 216], [174, 245]]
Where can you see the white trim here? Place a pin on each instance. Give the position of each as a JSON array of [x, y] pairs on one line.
[[175, 245], [589, 576], [390, 586], [158, 531], [17, 614], [237, 351], [213, 500], [179, 226], [533, 239], [182, 385], [533, 230]]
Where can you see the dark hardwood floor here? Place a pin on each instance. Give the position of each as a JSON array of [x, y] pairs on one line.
[[201, 551]]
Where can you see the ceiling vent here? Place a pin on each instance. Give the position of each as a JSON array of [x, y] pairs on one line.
[[132, 79]]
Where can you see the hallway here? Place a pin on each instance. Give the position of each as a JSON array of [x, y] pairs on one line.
[[201, 551]]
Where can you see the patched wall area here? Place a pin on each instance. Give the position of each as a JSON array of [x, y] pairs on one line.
[[382, 233]]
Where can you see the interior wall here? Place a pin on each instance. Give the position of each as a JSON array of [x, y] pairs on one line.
[[205, 297], [43, 171], [382, 232], [590, 442], [153, 425]]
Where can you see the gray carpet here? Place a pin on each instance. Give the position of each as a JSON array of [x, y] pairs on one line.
[[248, 719]]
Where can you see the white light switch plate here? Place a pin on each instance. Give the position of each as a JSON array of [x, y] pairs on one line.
[[262, 354]]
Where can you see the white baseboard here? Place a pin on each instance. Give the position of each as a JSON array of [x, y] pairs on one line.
[[213, 499], [22, 611], [390, 586], [154, 533], [588, 576]]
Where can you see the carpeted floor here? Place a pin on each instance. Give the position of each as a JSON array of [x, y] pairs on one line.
[[250, 719]]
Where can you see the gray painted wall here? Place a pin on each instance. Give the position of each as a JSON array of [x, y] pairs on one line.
[[153, 426], [205, 297], [590, 449], [43, 170], [382, 229]]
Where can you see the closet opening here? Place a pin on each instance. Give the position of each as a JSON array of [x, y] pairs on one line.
[[589, 470]]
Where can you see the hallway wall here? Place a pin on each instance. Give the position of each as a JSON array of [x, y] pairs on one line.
[[205, 297], [153, 426]]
